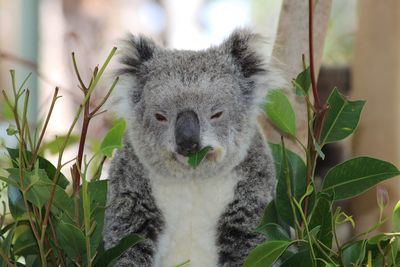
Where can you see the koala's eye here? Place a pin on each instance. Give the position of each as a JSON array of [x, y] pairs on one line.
[[160, 117], [216, 115]]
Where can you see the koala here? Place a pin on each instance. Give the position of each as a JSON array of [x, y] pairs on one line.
[[176, 102]]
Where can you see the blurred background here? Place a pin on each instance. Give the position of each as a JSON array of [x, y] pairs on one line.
[[360, 57]]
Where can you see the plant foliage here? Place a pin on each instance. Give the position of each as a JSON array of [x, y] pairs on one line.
[[53, 223]]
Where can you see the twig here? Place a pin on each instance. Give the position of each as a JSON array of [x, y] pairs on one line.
[[35, 152], [317, 102]]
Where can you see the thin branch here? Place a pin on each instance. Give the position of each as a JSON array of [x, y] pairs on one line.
[[311, 50], [105, 97], [78, 75], [35, 152]]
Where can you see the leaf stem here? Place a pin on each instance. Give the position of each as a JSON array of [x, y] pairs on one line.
[[35, 152], [317, 102]]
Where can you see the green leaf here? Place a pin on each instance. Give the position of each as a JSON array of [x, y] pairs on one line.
[[6, 244], [302, 83], [71, 239], [297, 174], [273, 232], [354, 254], [11, 130], [341, 119], [104, 259], [378, 238], [300, 259], [97, 196], [39, 190], [195, 159], [270, 214], [25, 242], [280, 112], [266, 254], [113, 138], [396, 218], [15, 201], [43, 164], [7, 112], [54, 146], [357, 175], [322, 216]]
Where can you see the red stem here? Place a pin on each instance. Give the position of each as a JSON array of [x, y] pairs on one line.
[[317, 102]]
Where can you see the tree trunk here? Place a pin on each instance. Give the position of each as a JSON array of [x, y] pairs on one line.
[[291, 43]]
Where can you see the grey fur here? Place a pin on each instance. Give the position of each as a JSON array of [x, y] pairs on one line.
[[231, 78]]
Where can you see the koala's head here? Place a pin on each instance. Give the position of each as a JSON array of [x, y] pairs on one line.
[[178, 102]]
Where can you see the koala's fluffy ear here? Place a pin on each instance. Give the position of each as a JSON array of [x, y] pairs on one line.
[[244, 47], [133, 54], [248, 51], [135, 51]]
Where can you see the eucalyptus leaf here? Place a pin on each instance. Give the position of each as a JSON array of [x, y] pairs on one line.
[[266, 254], [43, 164], [341, 119], [297, 175], [355, 176], [55, 145], [7, 242], [301, 259], [270, 214], [322, 216], [354, 254], [15, 201], [280, 112], [273, 232], [39, 186], [97, 196], [25, 242], [195, 159], [71, 239], [107, 257], [396, 218], [302, 83], [113, 138]]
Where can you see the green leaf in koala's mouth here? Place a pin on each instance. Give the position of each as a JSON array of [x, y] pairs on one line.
[[195, 158]]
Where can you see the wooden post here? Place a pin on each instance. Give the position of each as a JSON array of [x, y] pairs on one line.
[[376, 79]]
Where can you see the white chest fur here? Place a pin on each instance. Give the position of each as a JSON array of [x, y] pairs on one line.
[[191, 209]]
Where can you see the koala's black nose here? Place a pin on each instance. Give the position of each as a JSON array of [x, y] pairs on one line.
[[187, 133]]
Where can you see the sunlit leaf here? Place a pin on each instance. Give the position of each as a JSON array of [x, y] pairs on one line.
[[55, 145], [113, 138], [396, 218], [302, 83], [280, 112]]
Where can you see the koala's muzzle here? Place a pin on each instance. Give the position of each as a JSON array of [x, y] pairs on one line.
[[187, 133]]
